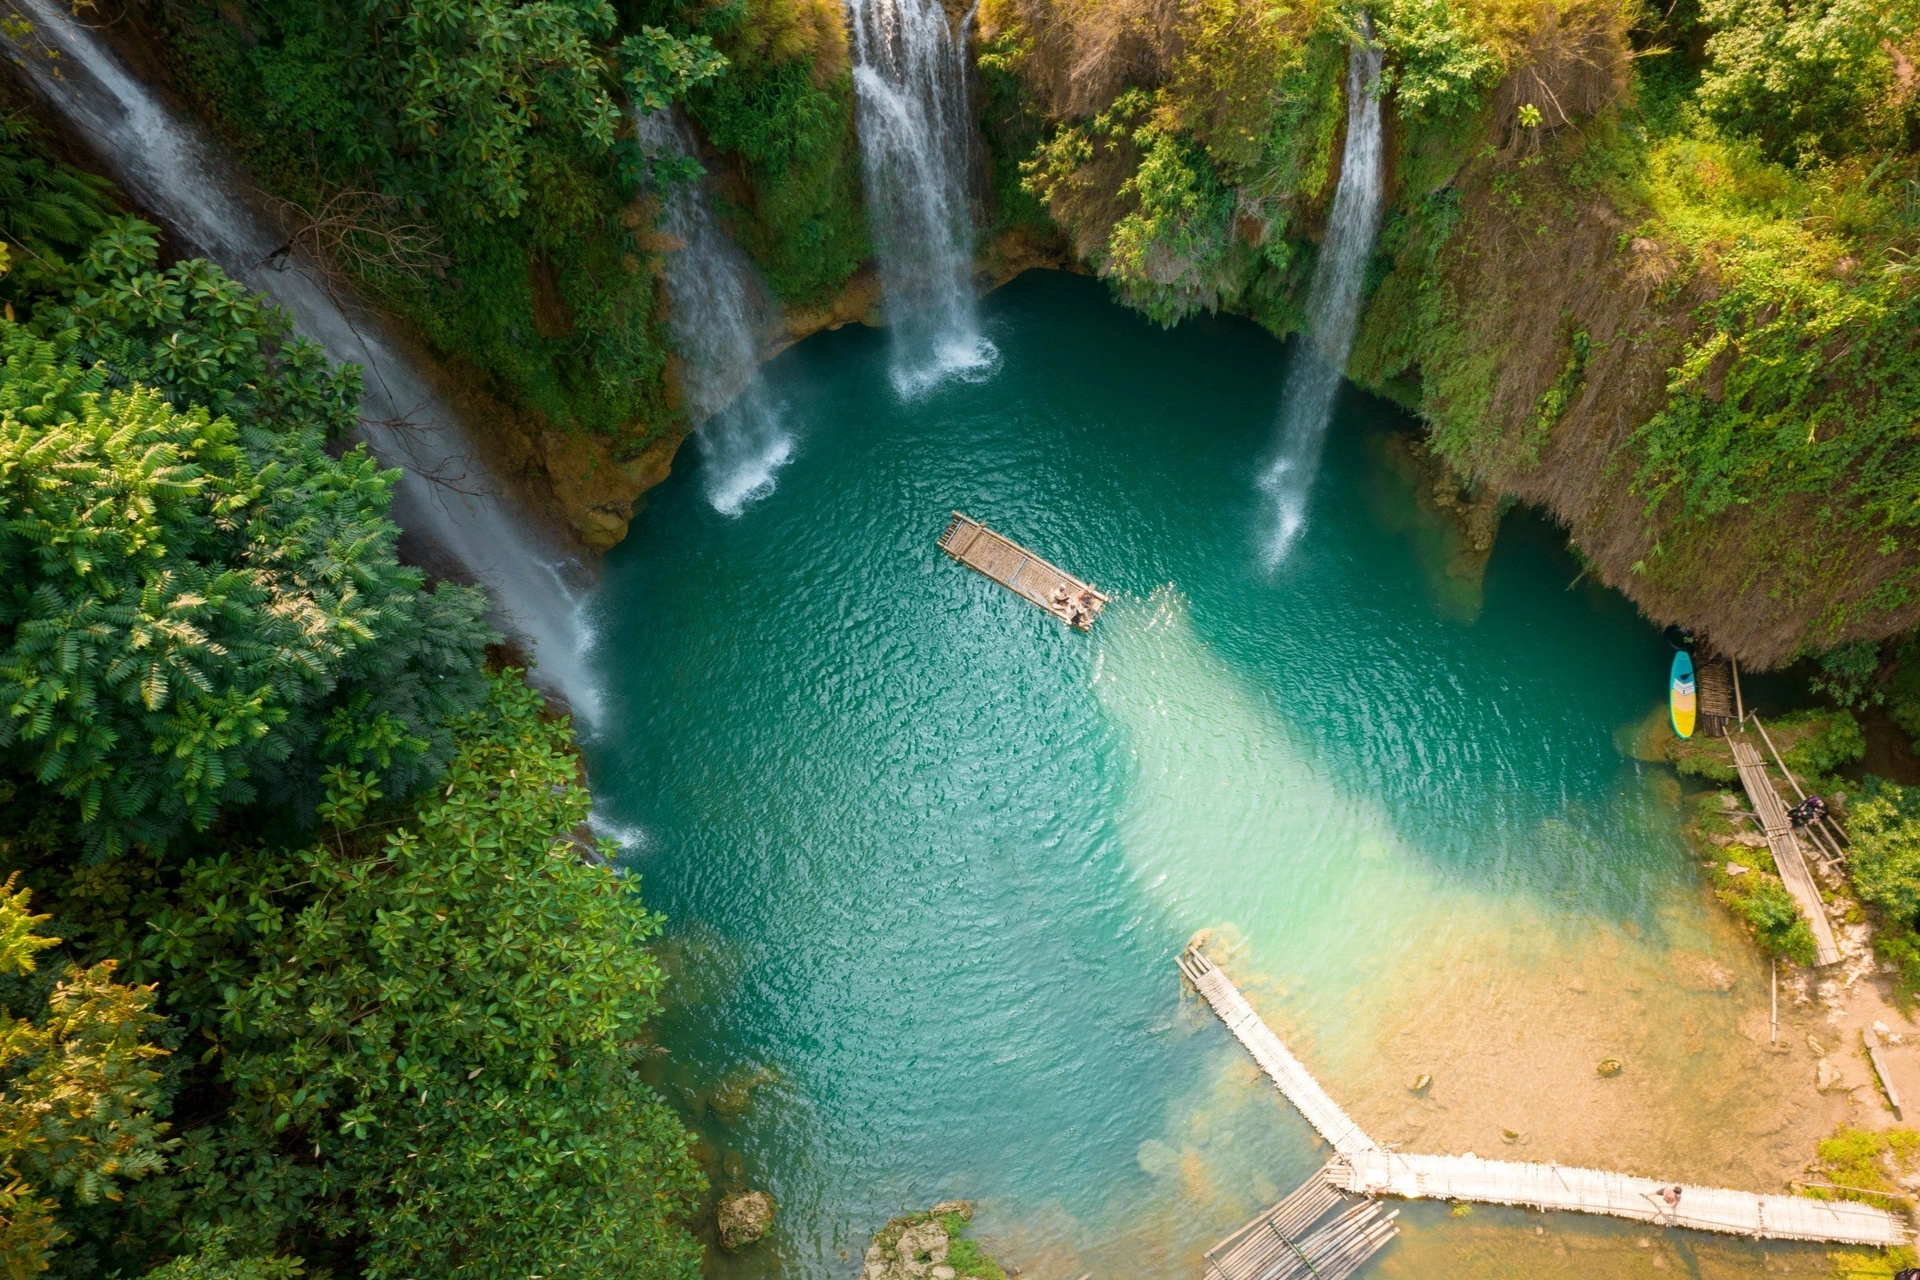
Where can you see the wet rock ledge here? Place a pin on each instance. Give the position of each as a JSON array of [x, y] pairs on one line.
[[929, 1246]]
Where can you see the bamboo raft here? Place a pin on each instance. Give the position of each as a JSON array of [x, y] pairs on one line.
[[1360, 1166], [1716, 698], [1778, 829], [1021, 571], [1288, 1242]]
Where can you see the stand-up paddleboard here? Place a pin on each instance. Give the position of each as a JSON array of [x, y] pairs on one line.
[[1680, 695]]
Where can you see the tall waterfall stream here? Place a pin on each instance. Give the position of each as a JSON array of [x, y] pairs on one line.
[[1333, 307], [916, 136], [719, 308], [445, 495]]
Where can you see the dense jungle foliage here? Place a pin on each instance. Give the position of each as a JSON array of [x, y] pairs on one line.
[[304, 969]]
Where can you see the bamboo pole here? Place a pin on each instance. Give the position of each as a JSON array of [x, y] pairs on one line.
[[1738, 705], [1776, 1000], [1766, 738], [1880, 1069]]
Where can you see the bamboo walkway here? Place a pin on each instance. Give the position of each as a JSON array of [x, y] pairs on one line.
[[1293, 1080], [1284, 1243], [1778, 829], [1362, 1167], [1020, 570], [1619, 1195]]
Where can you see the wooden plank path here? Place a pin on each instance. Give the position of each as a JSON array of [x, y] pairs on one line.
[[1362, 1167], [1778, 829], [1293, 1080], [1284, 1243], [1017, 569]]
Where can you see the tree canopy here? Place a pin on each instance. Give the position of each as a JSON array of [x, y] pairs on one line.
[[336, 988], [193, 611]]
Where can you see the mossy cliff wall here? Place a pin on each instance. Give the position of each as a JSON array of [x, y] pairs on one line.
[[1646, 269]]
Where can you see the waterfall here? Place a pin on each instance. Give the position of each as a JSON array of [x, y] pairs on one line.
[[916, 137], [445, 495], [719, 308], [1333, 306]]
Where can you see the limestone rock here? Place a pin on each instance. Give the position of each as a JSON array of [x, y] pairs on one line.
[[917, 1246], [1825, 1075], [1735, 869], [743, 1218]]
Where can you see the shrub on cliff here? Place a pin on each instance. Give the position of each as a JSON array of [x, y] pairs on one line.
[[53, 211], [784, 113], [1885, 859], [1815, 79]]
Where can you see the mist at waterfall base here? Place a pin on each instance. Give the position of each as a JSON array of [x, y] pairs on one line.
[[718, 309], [1333, 309], [916, 130], [926, 857], [445, 496]]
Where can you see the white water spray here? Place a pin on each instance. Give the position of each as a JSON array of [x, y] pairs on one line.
[[445, 495], [719, 308], [1333, 307], [910, 103]]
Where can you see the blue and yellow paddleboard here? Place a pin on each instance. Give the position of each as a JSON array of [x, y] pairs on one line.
[[1680, 695]]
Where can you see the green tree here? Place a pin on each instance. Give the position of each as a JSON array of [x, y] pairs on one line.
[[212, 1259], [431, 1026], [77, 1092], [1885, 858], [193, 609], [1440, 64], [1811, 78], [442, 96], [49, 212]]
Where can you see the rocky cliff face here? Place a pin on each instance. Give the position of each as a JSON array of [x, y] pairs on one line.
[[1607, 288]]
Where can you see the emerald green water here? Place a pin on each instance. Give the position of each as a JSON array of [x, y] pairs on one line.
[[927, 857]]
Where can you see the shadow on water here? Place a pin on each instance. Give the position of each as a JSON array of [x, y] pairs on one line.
[[926, 856]]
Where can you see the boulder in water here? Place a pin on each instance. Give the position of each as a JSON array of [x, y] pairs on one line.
[[743, 1218], [928, 1246]]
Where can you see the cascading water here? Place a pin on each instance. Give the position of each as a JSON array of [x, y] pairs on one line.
[[1333, 306], [719, 306], [910, 102], [444, 495]]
